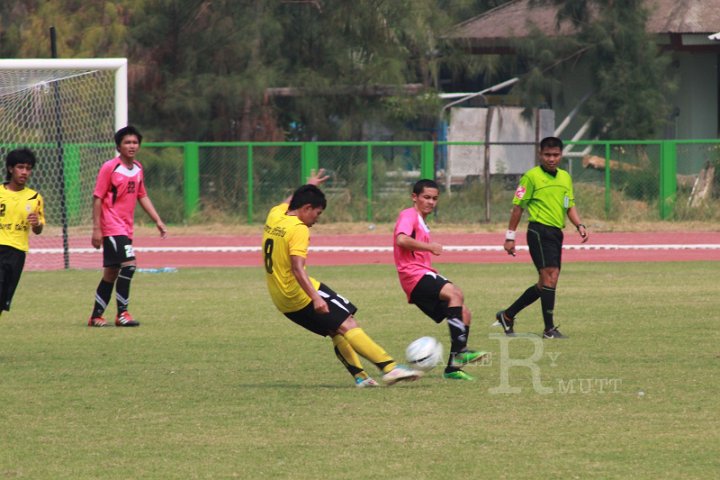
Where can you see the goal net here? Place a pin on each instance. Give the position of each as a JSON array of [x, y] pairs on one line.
[[66, 112]]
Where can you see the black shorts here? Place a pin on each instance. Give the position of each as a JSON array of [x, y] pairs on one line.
[[426, 295], [117, 250], [545, 244], [12, 262], [324, 323]]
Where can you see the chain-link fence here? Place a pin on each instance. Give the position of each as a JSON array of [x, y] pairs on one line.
[[370, 182], [237, 183], [199, 183]]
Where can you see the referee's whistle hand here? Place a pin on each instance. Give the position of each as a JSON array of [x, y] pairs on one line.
[[583, 235], [509, 247]]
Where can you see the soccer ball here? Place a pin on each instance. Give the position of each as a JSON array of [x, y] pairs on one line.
[[424, 354]]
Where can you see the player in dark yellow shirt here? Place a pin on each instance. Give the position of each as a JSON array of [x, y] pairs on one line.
[[21, 210], [312, 304]]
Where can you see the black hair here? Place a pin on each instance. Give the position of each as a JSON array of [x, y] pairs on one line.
[[15, 157], [308, 195], [124, 132], [551, 142], [421, 185]]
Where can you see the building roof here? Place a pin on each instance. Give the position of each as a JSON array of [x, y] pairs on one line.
[[518, 19]]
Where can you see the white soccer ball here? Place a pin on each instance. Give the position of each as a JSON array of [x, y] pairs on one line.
[[424, 354]]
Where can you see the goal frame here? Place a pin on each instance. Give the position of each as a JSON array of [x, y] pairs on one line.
[[119, 65], [78, 67]]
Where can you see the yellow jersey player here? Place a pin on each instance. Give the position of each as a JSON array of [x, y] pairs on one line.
[[21, 210], [312, 304]]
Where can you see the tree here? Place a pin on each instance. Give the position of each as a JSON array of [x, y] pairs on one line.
[[205, 70], [86, 29], [630, 80], [204, 67]]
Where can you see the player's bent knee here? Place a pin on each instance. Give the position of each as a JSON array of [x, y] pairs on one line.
[[452, 294], [127, 271], [347, 325]]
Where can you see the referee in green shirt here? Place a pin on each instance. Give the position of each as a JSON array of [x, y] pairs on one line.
[[546, 192]]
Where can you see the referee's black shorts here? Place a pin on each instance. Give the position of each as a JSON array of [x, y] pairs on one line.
[[545, 244], [12, 262]]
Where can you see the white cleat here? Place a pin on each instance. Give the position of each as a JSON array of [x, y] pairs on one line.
[[367, 383], [400, 374]]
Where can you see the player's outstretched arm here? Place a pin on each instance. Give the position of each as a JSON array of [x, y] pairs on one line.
[[149, 208]]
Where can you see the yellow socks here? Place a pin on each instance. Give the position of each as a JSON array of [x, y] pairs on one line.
[[348, 357], [365, 346]]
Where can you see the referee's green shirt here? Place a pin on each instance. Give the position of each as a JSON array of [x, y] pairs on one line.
[[547, 198]]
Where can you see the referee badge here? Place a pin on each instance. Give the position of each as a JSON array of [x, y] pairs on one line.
[[520, 192]]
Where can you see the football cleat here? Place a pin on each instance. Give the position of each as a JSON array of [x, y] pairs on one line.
[[366, 382], [507, 324], [400, 374], [458, 375], [553, 333], [97, 322], [468, 356], [124, 319]]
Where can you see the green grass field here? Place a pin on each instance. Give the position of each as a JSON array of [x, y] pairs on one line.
[[217, 384]]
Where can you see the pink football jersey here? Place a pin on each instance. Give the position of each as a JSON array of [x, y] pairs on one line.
[[119, 188], [411, 265]]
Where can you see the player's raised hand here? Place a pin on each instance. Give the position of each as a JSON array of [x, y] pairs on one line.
[[317, 178]]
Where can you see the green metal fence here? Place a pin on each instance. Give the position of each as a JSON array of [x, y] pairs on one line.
[[238, 182], [370, 181]]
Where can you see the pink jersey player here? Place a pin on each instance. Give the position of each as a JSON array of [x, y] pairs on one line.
[[436, 296], [411, 264], [119, 187]]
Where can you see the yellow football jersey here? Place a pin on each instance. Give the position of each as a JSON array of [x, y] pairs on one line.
[[14, 210], [285, 235]]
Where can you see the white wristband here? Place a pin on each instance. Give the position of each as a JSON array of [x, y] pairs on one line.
[[510, 235]]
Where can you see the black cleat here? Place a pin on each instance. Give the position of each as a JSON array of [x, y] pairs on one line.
[[507, 324], [553, 333]]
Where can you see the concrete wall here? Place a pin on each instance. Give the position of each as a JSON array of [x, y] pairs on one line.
[[507, 125], [697, 96]]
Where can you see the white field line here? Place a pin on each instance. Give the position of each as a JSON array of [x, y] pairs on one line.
[[359, 249]]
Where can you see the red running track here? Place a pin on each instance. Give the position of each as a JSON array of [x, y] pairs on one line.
[[244, 250]]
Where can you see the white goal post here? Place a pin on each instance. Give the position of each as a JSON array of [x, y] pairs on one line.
[[80, 65], [66, 111]]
